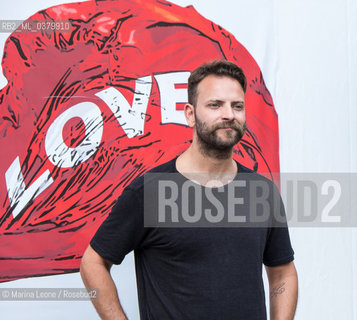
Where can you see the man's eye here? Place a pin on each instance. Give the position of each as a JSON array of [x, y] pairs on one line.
[[213, 105], [238, 107]]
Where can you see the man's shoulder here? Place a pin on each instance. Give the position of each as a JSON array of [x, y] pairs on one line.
[[167, 167], [245, 173], [243, 169], [153, 174]]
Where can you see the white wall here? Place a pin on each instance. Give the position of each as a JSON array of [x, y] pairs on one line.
[[307, 50]]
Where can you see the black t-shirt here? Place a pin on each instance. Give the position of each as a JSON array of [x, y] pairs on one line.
[[195, 272]]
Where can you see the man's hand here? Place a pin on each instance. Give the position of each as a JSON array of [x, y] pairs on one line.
[[95, 273], [283, 285]]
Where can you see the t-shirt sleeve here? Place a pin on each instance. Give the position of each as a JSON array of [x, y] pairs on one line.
[[278, 249], [123, 230]]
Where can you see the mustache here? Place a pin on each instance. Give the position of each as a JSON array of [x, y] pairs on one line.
[[230, 124]]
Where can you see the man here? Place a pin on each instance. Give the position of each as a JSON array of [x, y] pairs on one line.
[[198, 273]]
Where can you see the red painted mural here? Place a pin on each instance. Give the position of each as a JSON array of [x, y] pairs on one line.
[[87, 110]]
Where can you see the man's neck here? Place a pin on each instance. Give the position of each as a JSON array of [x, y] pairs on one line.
[[204, 168]]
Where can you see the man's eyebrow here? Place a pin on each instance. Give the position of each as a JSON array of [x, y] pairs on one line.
[[220, 102]]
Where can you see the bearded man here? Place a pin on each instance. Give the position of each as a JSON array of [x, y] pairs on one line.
[[200, 271]]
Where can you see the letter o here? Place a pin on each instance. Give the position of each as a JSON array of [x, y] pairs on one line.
[[58, 152]]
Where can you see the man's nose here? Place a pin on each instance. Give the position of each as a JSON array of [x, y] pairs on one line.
[[227, 112]]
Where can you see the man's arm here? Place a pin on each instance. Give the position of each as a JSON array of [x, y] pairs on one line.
[[283, 285], [95, 273]]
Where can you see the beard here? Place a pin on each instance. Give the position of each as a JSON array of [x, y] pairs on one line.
[[215, 145]]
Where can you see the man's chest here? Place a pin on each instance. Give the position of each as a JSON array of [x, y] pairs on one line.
[[207, 245]]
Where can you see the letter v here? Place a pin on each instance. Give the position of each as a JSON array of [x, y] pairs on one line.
[[16, 189]]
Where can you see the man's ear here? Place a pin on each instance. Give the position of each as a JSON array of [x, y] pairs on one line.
[[190, 114]]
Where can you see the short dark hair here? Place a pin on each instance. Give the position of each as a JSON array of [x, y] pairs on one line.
[[220, 68]]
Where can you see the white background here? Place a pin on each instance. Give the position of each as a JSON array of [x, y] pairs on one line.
[[307, 50]]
